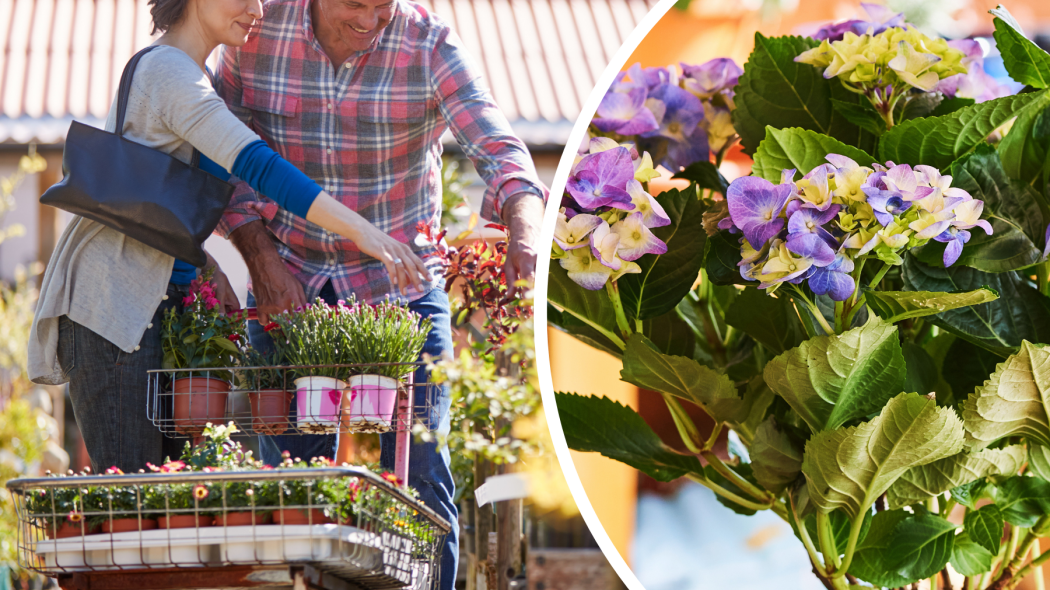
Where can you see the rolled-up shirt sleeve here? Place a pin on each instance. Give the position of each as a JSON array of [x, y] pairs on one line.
[[246, 205], [481, 128]]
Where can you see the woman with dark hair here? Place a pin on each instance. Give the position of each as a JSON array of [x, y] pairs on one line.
[[104, 294]]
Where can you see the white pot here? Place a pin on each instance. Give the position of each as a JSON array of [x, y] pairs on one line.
[[372, 402], [317, 401]]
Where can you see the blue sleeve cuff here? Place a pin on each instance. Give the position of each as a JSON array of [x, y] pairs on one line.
[[270, 174], [213, 168]]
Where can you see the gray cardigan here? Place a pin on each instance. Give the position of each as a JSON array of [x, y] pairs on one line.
[[100, 278]]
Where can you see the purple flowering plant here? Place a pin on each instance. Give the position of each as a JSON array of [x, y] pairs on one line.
[[867, 314]]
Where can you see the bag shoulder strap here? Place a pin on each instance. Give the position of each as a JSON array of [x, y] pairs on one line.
[[124, 91]]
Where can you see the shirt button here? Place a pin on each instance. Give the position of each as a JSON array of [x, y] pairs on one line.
[[329, 150], [136, 348], [165, 298], [329, 105], [330, 188], [346, 65], [149, 325]]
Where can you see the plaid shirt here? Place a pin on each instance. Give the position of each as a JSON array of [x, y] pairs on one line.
[[368, 131]]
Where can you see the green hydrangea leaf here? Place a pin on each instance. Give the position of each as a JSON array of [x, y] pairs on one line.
[[969, 493], [771, 321], [593, 308], [1014, 401], [861, 114], [1025, 61], [922, 545], [778, 92], [802, 149], [939, 141], [920, 483], [831, 380], [850, 467], [704, 175], [721, 258], [894, 306], [648, 368], [1020, 313], [1023, 500], [1023, 150], [601, 425], [985, 527], [871, 559], [1039, 460], [776, 457], [970, 558], [667, 278]]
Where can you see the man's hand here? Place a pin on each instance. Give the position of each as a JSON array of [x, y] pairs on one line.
[[223, 289], [275, 288], [523, 215]]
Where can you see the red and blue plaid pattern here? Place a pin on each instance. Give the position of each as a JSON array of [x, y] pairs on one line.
[[368, 131]]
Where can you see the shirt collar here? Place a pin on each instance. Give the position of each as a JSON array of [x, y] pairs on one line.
[[308, 29]]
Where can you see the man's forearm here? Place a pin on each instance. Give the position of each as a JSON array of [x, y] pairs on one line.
[[523, 215], [256, 247]]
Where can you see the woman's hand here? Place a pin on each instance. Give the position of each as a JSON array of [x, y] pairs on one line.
[[401, 262]]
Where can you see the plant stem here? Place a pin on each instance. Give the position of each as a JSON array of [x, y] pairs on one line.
[[857, 274], [1042, 276], [726, 493], [878, 277], [816, 312], [621, 317], [745, 486], [840, 307], [1040, 584], [604, 332], [853, 311], [686, 427], [711, 440], [827, 545], [803, 533], [854, 536], [1035, 563]]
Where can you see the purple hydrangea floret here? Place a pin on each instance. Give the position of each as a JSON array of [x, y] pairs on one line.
[[625, 113], [755, 205], [599, 180]]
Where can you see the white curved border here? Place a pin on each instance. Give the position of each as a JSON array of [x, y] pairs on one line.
[[543, 267]]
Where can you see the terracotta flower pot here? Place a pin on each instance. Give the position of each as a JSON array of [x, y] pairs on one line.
[[270, 410], [318, 401], [299, 516], [124, 525], [69, 529], [242, 518], [371, 404], [184, 521], [198, 401]]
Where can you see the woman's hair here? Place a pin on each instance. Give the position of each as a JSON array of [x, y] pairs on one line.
[[166, 13]]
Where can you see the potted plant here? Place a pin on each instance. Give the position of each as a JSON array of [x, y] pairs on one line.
[[381, 340], [309, 339], [306, 501], [202, 336], [182, 505], [268, 391], [117, 509], [246, 503], [60, 512]]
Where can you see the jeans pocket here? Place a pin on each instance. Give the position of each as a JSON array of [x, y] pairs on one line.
[[66, 345]]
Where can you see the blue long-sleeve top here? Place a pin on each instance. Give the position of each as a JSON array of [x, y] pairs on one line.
[[268, 173]]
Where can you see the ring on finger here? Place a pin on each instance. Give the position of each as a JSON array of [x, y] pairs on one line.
[[397, 261]]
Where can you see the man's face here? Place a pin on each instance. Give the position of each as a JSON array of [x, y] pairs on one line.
[[357, 22]]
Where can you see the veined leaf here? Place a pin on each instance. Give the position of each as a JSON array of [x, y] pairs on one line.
[[922, 545], [871, 560], [601, 425], [922, 374], [666, 278], [1020, 313], [831, 380], [1023, 500], [591, 307], [950, 105], [894, 306], [721, 259], [969, 493], [771, 321], [704, 175], [969, 558], [849, 468], [801, 149], [1023, 150], [920, 483], [575, 327], [1039, 460], [776, 458], [939, 141], [682, 377], [1013, 402], [1025, 61], [985, 527], [779, 92], [861, 114]]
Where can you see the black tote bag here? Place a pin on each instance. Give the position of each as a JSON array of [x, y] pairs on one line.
[[137, 190]]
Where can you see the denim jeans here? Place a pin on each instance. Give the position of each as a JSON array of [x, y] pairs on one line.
[[108, 388], [428, 468]]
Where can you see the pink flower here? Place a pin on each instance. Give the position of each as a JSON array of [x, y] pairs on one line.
[[210, 303], [114, 471], [173, 467], [188, 300], [233, 337], [270, 327]]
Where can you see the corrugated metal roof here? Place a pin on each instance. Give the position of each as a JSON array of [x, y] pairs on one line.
[[62, 58]]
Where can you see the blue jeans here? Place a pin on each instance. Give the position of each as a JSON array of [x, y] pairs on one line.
[[428, 469]]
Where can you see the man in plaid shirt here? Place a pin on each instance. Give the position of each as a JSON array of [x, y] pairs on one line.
[[357, 94]]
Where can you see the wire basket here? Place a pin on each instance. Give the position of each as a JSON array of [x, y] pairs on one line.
[[270, 400], [377, 537]]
